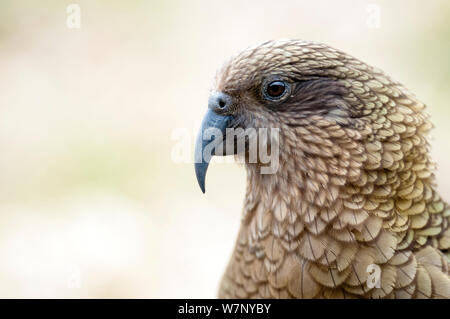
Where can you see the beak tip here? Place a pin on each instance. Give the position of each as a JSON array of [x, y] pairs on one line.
[[202, 186], [200, 173]]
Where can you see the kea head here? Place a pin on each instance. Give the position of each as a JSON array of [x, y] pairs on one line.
[[335, 117]]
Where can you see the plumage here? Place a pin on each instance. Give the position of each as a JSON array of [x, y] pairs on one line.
[[355, 186]]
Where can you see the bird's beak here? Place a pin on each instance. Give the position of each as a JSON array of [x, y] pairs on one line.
[[210, 141]]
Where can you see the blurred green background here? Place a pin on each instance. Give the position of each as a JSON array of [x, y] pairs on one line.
[[92, 203]]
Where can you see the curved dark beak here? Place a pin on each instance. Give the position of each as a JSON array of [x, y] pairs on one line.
[[210, 141]]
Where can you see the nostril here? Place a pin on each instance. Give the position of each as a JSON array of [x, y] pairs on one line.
[[220, 102]]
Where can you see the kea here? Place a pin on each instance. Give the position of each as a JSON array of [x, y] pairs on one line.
[[352, 209]]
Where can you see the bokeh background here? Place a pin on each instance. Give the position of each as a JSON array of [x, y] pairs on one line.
[[94, 201]]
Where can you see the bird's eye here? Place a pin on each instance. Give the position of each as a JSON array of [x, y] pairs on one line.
[[275, 90]]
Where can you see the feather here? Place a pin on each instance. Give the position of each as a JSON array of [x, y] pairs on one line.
[[302, 285], [369, 229], [384, 247], [329, 277], [419, 221], [258, 271], [280, 278], [400, 258], [406, 272], [406, 292], [312, 247], [444, 241], [439, 281]]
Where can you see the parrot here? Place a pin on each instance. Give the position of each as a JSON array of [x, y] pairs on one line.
[[350, 208]]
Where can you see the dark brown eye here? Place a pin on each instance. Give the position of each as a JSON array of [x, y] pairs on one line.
[[275, 90]]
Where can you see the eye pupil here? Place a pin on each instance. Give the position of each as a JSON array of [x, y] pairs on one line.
[[276, 89]]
